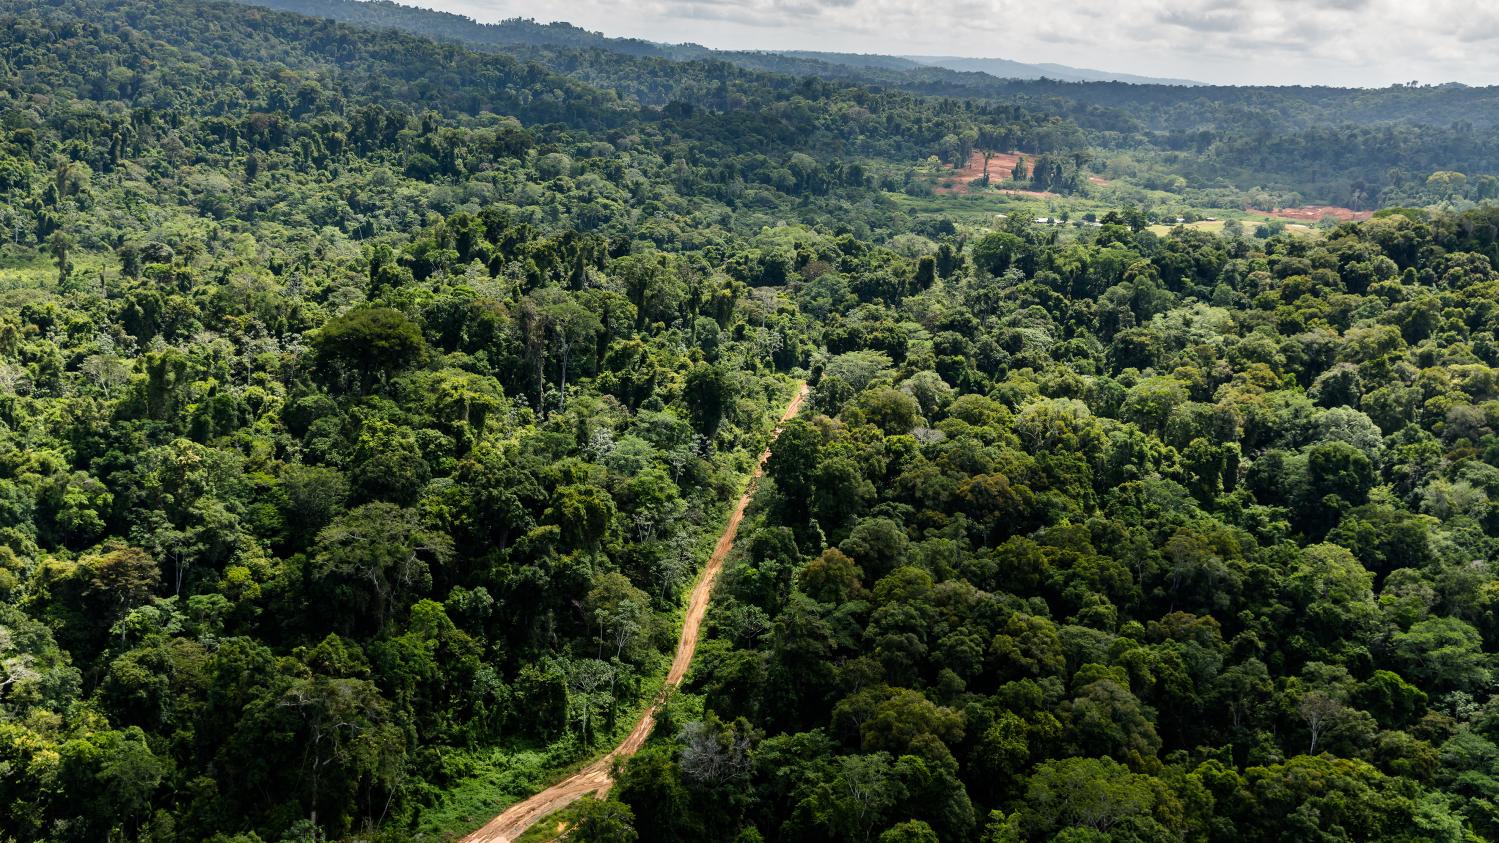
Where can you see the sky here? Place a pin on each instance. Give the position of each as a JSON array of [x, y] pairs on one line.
[[1369, 43]]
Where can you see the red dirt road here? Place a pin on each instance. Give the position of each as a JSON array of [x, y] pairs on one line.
[[595, 778]]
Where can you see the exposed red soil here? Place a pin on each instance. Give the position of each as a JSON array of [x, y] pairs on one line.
[[1315, 213], [1000, 166]]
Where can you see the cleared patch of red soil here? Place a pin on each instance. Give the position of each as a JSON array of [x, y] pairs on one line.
[[1315, 213], [1001, 166]]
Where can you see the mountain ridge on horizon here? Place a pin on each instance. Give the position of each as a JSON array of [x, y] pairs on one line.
[[559, 33], [999, 68]]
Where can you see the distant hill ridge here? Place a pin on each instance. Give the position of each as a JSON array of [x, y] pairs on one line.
[[1001, 68], [1309, 124], [528, 32]]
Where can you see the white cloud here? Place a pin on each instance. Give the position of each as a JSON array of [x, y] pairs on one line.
[[1341, 42]]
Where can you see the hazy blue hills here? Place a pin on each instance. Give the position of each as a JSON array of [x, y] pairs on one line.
[[1001, 68]]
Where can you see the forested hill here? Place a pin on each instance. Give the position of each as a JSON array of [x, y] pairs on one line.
[[368, 405], [1174, 105], [465, 30], [386, 68], [522, 32], [1338, 145], [654, 74], [169, 97]]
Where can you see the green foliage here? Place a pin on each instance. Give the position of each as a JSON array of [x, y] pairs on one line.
[[318, 429], [367, 403], [1152, 595], [367, 345]]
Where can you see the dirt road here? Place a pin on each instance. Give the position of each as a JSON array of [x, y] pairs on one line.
[[595, 777]]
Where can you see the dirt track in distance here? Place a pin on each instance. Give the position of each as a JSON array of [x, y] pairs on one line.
[[595, 778]]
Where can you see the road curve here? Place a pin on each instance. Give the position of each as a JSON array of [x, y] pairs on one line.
[[595, 778]]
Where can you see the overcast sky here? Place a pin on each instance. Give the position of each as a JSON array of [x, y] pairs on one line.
[[1340, 42]]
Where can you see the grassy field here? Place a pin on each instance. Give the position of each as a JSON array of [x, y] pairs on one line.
[[980, 211], [1250, 221], [30, 269], [1214, 226]]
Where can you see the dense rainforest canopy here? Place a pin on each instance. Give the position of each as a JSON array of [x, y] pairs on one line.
[[1360, 147], [368, 403]]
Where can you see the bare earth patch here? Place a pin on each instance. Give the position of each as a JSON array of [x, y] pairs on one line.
[[1000, 167]]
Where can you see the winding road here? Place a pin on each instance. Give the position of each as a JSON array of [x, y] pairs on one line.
[[595, 778]]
